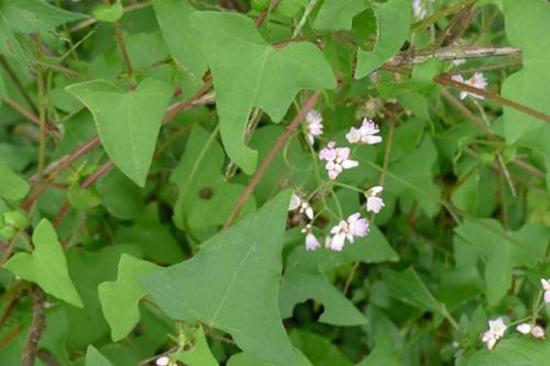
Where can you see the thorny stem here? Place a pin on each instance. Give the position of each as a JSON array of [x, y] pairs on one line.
[[270, 157]]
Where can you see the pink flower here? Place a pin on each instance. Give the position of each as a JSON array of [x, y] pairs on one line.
[[337, 159], [536, 331], [366, 134], [374, 203], [546, 287], [476, 81], [314, 121], [497, 328], [354, 226], [311, 242]]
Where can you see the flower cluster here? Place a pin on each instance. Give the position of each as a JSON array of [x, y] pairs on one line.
[[337, 159], [476, 81], [497, 327]]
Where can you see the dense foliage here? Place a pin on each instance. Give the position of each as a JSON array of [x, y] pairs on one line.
[[286, 182]]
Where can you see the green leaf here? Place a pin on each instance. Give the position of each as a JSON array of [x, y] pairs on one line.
[[205, 198], [337, 15], [512, 352], [109, 13], [119, 299], [12, 186], [502, 251], [154, 238], [319, 350], [236, 272], [411, 178], [249, 73], [244, 359], [121, 197], [199, 354], [95, 358], [24, 16], [525, 22], [409, 288], [298, 286], [46, 266], [182, 39], [128, 122], [394, 20]]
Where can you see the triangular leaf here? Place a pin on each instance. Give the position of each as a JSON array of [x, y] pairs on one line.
[[249, 73], [119, 299], [128, 122], [46, 266], [299, 286], [232, 283]]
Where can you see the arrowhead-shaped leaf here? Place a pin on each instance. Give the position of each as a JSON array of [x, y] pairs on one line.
[[298, 286], [232, 284], [12, 186], [119, 299], [128, 122], [394, 21], [249, 73], [47, 266]]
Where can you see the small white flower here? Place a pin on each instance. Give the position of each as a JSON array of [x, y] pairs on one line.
[[366, 134], [374, 203], [489, 339], [546, 287], [305, 208], [311, 242], [524, 328], [538, 332], [354, 226], [498, 327], [337, 159], [476, 81], [162, 361], [314, 121]]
